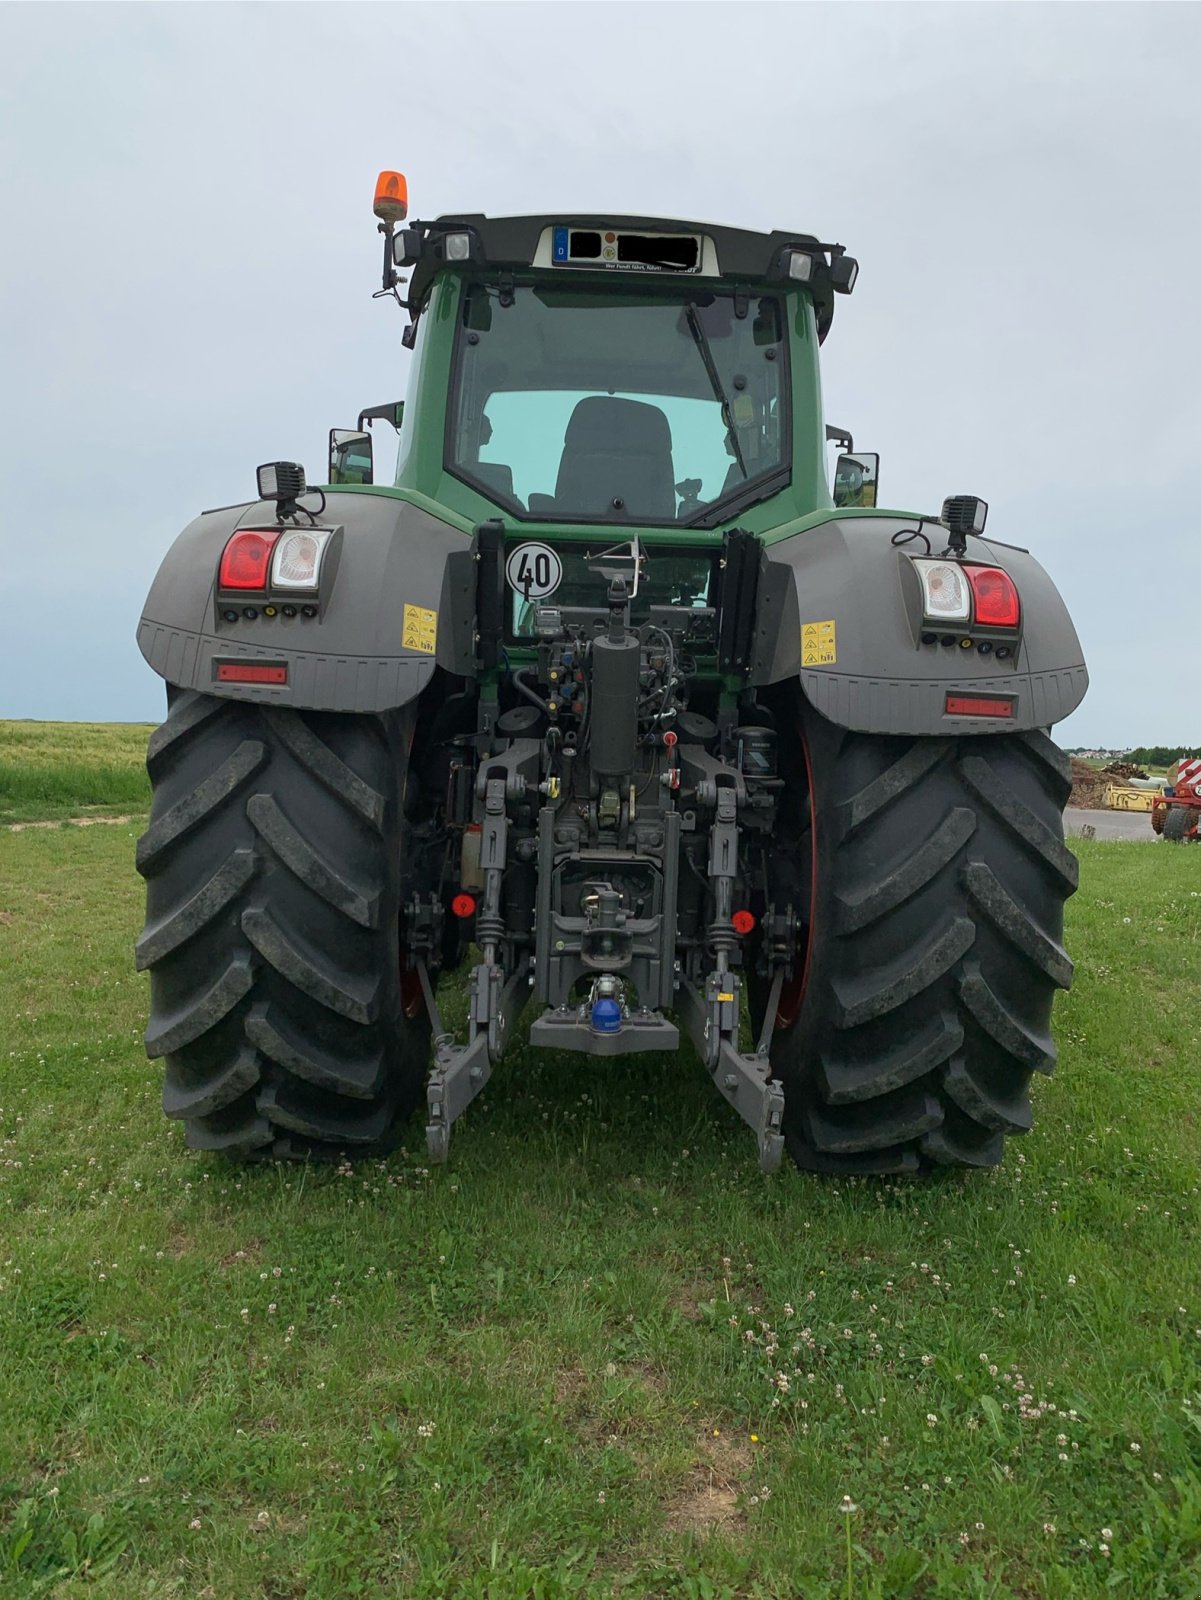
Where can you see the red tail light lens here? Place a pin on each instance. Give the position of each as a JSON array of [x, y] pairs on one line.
[[246, 559], [997, 604], [744, 922], [463, 906]]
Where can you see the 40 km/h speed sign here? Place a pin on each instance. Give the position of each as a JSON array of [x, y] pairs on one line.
[[534, 571]]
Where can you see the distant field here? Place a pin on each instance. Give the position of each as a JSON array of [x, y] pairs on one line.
[[63, 769], [598, 1355]]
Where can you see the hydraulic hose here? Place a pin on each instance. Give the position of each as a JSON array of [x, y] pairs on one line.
[[531, 695]]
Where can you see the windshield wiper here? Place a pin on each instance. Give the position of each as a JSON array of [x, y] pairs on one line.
[[701, 341], [736, 500]]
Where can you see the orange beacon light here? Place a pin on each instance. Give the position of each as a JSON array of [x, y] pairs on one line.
[[391, 197]]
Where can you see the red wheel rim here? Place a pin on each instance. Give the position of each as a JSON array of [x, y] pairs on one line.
[[792, 995], [412, 1000]]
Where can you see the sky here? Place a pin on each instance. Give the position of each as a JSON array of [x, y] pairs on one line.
[[189, 256]]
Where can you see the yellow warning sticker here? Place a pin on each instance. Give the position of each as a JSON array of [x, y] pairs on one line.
[[420, 629], [819, 647]]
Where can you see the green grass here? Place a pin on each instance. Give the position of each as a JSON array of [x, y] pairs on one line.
[[66, 769], [547, 1369]]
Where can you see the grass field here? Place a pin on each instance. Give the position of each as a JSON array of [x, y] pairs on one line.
[[598, 1353], [64, 769]]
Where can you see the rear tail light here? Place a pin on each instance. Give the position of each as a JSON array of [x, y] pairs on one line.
[[997, 604], [960, 592], [246, 559], [297, 560], [946, 596]]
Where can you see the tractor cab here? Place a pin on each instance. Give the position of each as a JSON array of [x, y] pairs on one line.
[[643, 373]]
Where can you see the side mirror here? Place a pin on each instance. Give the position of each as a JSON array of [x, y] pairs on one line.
[[855, 479], [350, 458]]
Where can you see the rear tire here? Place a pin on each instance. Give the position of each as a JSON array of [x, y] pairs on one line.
[[936, 890], [1177, 823], [274, 865]]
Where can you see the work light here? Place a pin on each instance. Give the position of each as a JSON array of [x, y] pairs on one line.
[[281, 480], [843, 272], [964, 513]]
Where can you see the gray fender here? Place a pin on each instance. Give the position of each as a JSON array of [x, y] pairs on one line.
[[867, 669], [352, 657]]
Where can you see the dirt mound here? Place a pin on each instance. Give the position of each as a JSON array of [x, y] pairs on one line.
[[1088, 785], [1123, 771]]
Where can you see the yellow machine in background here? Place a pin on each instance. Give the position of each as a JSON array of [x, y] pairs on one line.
[[1124, 797]]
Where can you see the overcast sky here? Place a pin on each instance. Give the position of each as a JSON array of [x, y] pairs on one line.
[[189, 256]]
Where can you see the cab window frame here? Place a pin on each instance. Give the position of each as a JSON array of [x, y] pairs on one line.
[[710, 512]]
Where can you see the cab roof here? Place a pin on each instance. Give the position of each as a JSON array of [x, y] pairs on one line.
[[741, 256]]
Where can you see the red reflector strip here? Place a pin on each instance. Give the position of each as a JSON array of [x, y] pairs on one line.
[[250, 672], [965, 705]]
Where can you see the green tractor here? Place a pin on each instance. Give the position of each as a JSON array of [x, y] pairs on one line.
[[611, 697]]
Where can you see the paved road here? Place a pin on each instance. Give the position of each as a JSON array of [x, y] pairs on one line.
[[1112, 824]]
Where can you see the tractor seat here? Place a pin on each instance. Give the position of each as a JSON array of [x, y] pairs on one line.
[[617, 450], [496, 477]]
